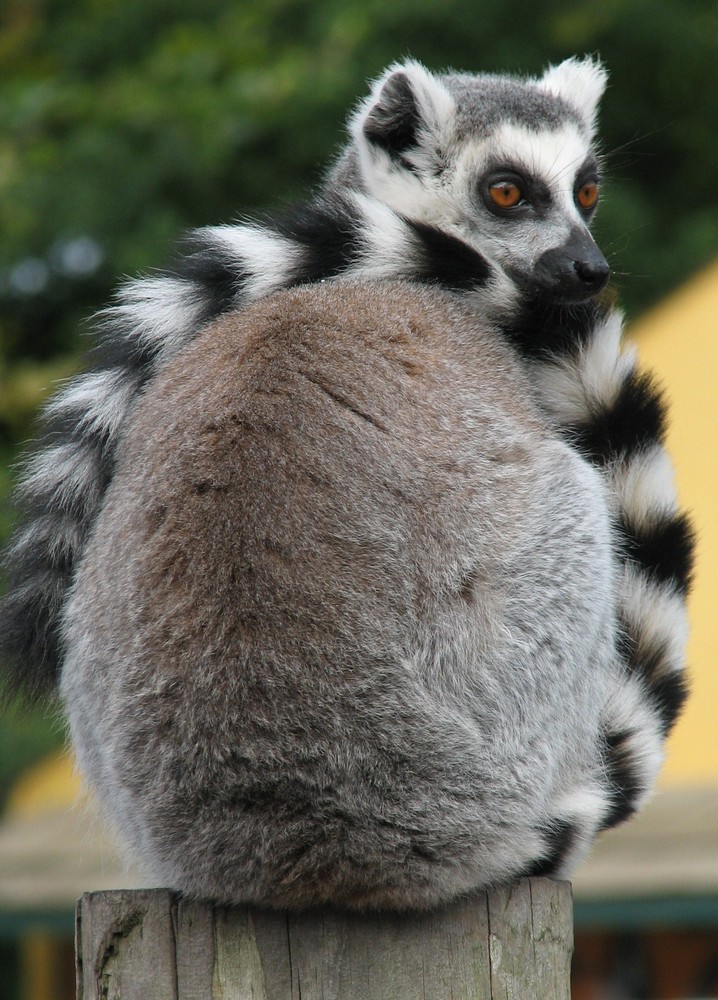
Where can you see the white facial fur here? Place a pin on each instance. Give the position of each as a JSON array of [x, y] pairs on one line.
[[553, 157], [453, 201]]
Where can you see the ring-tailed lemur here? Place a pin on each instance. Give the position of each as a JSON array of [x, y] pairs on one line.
[[375, 568]]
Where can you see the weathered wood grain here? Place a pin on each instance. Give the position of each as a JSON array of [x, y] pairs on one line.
[[539, 954], [513, 943]]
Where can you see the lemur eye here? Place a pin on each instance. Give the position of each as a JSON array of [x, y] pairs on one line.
[[505, 194], [587, 195]]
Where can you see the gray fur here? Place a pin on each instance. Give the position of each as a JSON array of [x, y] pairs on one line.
[[319, 648], [485, 102]]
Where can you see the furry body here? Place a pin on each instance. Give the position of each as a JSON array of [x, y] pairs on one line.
[[377, 595], [321, 534]]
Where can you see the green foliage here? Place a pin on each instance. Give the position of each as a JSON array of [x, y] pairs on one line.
[[124, 122], [129, 122]]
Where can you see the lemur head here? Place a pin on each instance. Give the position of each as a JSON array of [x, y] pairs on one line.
[[506, 164]]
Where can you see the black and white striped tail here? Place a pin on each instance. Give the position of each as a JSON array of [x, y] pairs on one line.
[[615, 416]]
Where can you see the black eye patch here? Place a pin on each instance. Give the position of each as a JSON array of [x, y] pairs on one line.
[[535, 194]]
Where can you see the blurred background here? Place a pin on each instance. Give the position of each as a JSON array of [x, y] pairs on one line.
[[124, 122]]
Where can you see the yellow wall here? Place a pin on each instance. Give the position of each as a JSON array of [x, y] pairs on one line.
[[51, 784], [679, 341]]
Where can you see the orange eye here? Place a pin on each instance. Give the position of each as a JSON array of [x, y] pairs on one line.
[[587, 195], [505, 194]]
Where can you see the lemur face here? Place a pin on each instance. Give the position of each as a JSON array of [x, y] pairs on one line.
[[529, 197], [508, 167]]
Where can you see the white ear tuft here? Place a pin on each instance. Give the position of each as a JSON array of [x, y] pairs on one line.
[[407, 104], [580, 83]]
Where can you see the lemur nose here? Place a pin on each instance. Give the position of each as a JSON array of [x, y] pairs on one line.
[[592, 273], [574, 271]]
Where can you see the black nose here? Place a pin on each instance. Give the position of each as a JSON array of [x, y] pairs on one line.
[[593, 273], [572, 272]]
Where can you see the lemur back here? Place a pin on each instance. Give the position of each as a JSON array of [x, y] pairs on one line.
[[315, 647], [387, 578]]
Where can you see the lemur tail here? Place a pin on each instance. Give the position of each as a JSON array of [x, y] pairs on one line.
[[63, 482], [615, 415]]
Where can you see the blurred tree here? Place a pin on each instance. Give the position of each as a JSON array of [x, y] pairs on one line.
[[124, 122]]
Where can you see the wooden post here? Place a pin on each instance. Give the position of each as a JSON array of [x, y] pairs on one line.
[[513, 943]]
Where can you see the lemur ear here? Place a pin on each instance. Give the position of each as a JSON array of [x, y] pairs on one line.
[[580, 83], [406, 107]]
